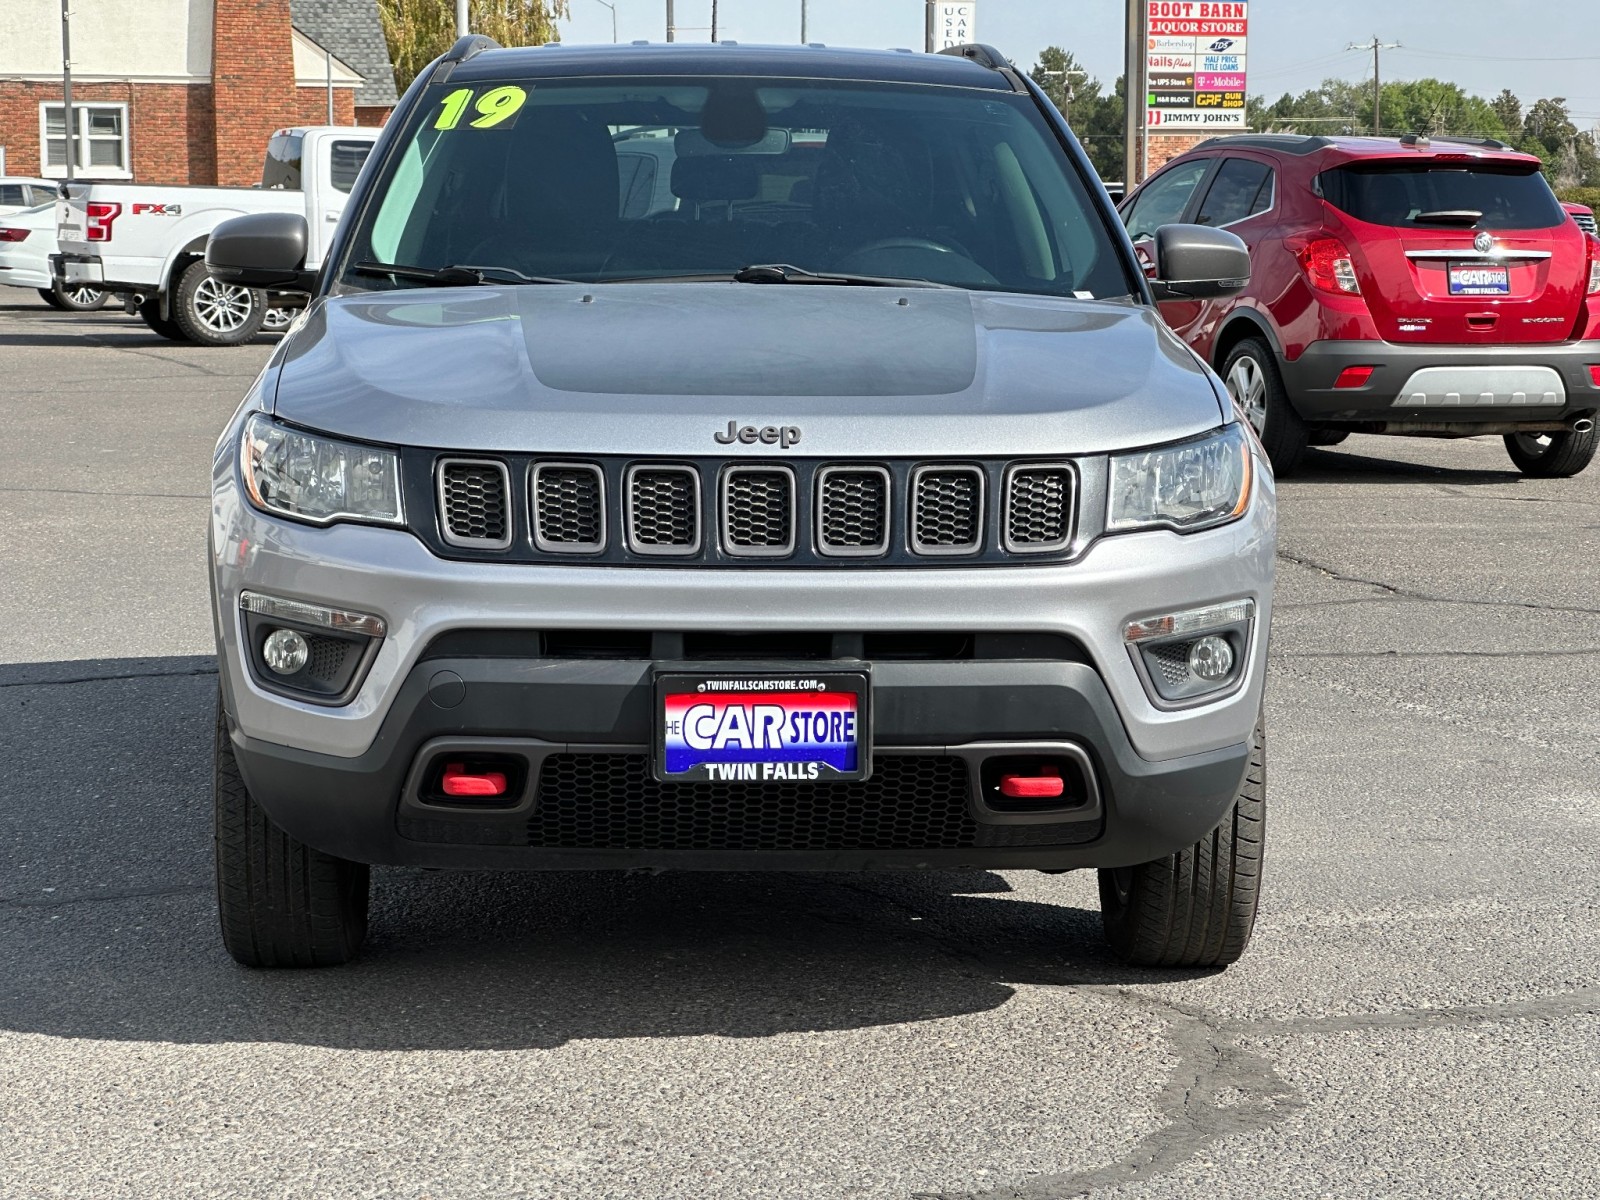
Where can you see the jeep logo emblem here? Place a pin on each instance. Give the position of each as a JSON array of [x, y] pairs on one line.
[[783, 436]]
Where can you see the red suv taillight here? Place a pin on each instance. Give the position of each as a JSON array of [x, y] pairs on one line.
[[13, 235], [1594, 265], [1328, 266], [100, 214]]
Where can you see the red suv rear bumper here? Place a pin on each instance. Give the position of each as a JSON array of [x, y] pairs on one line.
[[1463, 384]]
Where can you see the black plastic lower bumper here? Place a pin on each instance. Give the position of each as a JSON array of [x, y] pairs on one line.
[[1310, 380], [574, 716]]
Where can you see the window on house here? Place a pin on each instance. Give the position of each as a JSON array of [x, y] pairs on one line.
[[102, 131]]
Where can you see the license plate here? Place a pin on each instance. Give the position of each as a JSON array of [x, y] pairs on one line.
[[762, 727], [1477, 279]]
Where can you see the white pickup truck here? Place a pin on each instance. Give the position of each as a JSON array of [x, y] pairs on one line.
[[147, 243]]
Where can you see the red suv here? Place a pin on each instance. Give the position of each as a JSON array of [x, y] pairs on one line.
[[1403, 286]]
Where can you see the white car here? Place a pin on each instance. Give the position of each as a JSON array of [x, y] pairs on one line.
[[27, 240], [19, 192]]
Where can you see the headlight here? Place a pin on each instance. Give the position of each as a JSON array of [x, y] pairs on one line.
[[317, 479], [1188, 486]]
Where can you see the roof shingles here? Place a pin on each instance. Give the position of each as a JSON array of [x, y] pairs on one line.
[[353, 32]]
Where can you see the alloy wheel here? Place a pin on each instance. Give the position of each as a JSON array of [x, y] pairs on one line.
[[277, 319], [1247, 384], [221, 307]]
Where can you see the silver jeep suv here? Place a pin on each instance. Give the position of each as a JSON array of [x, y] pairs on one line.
[[815, 489]]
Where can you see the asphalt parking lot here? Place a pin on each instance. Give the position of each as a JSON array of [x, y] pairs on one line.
[[1418, 1016]]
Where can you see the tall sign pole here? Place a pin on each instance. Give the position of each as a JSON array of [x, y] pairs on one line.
[[463, 21], [672, 24], [1134, 88], [70, 123]]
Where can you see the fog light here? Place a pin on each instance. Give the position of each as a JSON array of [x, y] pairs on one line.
[[1211, 658], [285, 651]]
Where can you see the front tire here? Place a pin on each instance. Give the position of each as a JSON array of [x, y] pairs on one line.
[[1256, 385], [73, 299], [212, 313], [281, 903], [1195, 908], [1552, 455]]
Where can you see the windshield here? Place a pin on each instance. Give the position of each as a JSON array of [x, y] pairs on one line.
[[604, 180], [1409, 194]]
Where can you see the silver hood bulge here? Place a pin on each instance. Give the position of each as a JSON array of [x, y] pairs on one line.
[[659, 368]]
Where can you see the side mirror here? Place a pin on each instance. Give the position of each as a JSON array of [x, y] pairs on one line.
[[262, 250], [1196, 262]]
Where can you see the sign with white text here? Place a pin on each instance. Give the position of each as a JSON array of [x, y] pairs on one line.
[[1195, 63], [951, 23]]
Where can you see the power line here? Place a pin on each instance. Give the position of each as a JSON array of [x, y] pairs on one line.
[[1377, 48]]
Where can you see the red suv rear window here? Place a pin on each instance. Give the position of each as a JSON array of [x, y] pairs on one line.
[[1408, 194]]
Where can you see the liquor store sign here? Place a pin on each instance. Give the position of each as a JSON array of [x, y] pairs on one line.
[[1195, 62]]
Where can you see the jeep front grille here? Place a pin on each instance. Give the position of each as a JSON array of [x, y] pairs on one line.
[[663, 510], [569, 507], [475, 503], [758, 511], [852, 511], [1039, 508], [946, 510], [711, 511]]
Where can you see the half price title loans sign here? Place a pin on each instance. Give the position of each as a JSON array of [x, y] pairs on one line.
[[1196, 57]]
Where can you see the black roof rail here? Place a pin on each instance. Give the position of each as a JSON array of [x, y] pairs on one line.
[[469, 45], [988, 56], [1289, 143], [984, 56], [1486, 143]]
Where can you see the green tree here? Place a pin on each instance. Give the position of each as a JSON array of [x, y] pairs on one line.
[[1094, 114], [1509, 109], [418, 31]]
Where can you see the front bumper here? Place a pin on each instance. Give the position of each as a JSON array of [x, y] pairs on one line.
[[337, 777], [1468, 371]]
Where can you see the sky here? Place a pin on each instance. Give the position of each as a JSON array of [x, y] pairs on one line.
[[1537, 48]]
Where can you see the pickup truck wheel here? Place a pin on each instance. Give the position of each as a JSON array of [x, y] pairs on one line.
[[73, 299], [213, 313], [150, 313], [1551, 455], [1195, 908], [282, 903], [1256, 385]]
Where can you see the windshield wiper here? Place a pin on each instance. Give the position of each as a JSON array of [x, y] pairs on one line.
[[782, 273], [1448, 216], [785, 273], [453, 276]]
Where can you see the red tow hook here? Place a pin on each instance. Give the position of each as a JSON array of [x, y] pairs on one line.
[[1045, 785], [458, 781]]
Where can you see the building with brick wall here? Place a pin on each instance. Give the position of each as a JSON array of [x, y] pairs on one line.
[[183, 91]]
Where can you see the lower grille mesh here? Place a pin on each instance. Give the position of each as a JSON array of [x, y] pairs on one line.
[[612, 802]]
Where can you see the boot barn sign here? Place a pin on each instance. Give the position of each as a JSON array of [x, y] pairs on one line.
[[1195, 65]]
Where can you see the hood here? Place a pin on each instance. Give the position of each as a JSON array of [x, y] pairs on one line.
[[659, 368]]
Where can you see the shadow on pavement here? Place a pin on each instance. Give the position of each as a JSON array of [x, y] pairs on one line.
[[108, 927], [1344, 466]]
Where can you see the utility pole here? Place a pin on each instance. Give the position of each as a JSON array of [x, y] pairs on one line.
[[70, 123], [713, 21], [1134, 91], [672, 23], [803, 38], [1377, 48]]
